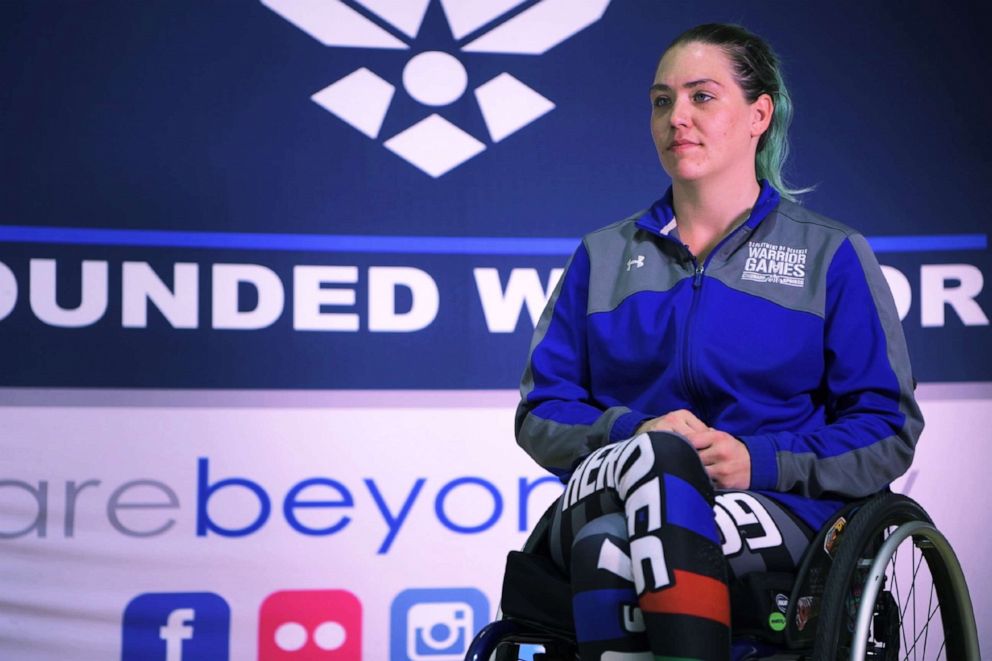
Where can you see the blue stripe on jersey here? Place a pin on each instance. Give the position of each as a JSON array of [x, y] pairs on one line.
[[589, 607], [686, 508]]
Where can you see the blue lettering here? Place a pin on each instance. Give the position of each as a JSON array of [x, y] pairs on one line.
[[393, 523], [291, 503], [524, 489], [454, 484], [204, 491]]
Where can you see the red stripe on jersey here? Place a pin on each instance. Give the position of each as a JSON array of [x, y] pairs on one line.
[[691, 594]]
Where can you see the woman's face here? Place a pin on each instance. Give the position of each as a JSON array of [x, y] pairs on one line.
[[702, 125]]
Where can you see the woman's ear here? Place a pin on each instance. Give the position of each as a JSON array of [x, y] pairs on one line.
[[761, 114]]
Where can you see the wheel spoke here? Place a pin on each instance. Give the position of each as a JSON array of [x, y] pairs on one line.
[[916, 642], [929, 609], [895, 584], [879, 564], [916, 568], [910, 595], [923, 634]]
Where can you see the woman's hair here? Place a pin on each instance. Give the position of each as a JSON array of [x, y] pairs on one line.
[[757, 70]]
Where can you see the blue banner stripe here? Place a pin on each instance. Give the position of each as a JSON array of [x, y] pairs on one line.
[[930, 243], [430, 245]]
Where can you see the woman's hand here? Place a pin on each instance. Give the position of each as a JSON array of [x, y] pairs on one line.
[[681, 422], [726, 459]]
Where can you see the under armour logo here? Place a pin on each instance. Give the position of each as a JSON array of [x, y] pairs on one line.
[[639, 262]]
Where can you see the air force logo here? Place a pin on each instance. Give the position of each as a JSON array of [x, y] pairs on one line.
[[436, 78]]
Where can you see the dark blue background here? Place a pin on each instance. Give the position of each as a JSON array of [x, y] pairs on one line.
[[196, 116]]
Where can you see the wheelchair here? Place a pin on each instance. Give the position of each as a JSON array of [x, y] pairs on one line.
[[879, 582]]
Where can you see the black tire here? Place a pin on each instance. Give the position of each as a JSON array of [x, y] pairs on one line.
[[859, 544]]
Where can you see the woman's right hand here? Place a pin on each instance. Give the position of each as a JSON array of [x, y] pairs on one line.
[[681, 422]]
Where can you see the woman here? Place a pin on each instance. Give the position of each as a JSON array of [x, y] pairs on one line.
[[717, 374]]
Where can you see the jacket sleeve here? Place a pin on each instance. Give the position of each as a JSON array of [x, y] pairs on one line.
[[558, 420], [873, 421]]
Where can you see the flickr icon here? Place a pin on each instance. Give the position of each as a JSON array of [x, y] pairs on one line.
[[310, 624]]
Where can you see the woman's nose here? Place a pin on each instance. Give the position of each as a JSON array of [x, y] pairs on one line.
[[681, 114]]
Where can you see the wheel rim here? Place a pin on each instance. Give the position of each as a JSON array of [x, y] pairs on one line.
[[911, 594]]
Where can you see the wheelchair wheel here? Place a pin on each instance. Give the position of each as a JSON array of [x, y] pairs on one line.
[[895, 590]]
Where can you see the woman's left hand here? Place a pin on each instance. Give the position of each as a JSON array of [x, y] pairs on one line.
[[726, 459]]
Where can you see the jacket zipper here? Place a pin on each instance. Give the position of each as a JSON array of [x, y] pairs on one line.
[[692, 389], [688, 374]]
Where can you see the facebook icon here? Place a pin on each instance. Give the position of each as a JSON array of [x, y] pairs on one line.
[[176, 626]]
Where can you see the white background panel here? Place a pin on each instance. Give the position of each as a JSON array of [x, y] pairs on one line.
[[78, 588], [64, 597]]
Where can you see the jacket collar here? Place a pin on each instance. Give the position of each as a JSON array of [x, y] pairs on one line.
[[659, 219]]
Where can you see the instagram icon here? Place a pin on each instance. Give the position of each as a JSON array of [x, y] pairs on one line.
[[436, 624], [299, 625]]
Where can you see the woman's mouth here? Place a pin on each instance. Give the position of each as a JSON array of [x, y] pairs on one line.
[[681, 146]]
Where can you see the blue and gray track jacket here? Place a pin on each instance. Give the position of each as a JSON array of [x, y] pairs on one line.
[[786, 337]]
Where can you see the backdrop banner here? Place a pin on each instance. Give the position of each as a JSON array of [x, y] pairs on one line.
[[387, 520], [285, 194], [269, 272]]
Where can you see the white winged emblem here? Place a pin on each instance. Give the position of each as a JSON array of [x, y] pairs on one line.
[[437, 78]]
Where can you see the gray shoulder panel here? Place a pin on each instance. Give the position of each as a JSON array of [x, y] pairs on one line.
[[846, 474], [784, 260], [865, 470], [527, 380], [627, 259], [556, 445], [896, 350]]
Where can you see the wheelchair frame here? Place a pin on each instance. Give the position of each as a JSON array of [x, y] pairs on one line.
[[857, 565]]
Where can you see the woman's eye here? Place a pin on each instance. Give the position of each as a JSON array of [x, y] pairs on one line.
[[661, 101], [701, 97]]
